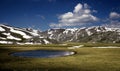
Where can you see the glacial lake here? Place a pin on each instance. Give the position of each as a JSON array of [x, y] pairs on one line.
[[42, 53]]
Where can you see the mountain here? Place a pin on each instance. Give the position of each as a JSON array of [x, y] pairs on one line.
[[91, 34], [94, 34], [98, 34], [13, 35]]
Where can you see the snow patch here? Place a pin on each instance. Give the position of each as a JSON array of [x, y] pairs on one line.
[[41, 37], [21, 33], [98, 30], [107, 47], [34, 33], [51, 36], [28, 43], [50, 32], [2, 38], [111, 29], [6, 42], [46, 41], [9, 36], [88, 32], [74, 47], [12, 37], [82, 28], [70, 30], [2, 29]]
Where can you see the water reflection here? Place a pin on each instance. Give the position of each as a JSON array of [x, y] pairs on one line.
[[42, 53]]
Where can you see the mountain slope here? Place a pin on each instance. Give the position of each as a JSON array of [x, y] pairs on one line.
[[90, 34], [13, 35]]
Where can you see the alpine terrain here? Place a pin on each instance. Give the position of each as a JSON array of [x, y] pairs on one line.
[[94, 34]]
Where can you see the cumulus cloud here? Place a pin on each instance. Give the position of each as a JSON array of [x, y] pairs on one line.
[[78, 8], [114, 15], [81, 15]]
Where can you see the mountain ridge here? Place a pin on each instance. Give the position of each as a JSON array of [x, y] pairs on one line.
[[94, 34]]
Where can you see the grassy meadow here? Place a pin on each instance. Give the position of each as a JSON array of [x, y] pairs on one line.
[[85, 59]]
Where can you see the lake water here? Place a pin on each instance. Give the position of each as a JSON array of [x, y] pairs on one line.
[[42, 53]]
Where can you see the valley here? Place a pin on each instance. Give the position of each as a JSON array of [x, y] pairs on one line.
[[86, 58]]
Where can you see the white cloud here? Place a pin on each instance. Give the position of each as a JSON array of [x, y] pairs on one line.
[[66, 15], [81, 15], [113, 20], [114, 15], [78, 8], [86, 5]]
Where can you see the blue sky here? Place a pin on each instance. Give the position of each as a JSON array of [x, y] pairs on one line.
[[45, 14]]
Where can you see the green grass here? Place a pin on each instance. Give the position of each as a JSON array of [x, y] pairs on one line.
[[86, 59], [43, 45], [93, 44]]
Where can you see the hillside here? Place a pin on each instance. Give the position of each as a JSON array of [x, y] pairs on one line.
[[13, 35]]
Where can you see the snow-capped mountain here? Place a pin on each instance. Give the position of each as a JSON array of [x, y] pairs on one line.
[[60, 34], [98, 34], [91, 34], [13, 35]]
